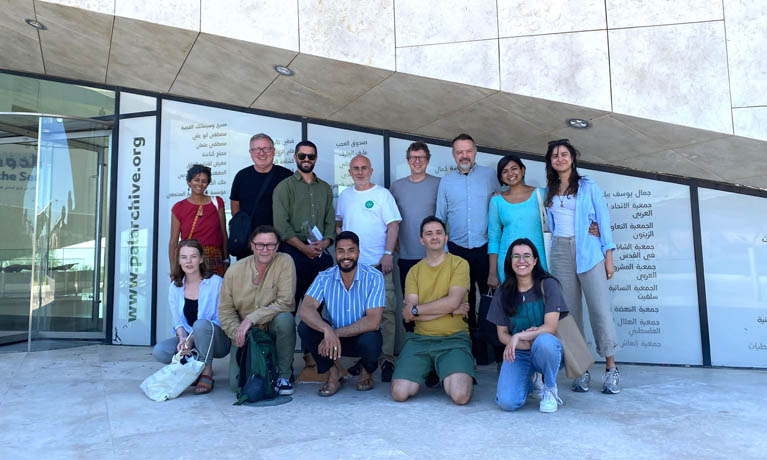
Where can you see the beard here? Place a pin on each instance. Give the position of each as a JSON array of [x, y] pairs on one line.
[[303, 169], [464, 167], [347, 270]]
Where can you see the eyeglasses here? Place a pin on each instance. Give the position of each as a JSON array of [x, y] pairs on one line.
[[418, 158], [526, 257], [304, 156], [267, 246], [262, 150], [559, 142]]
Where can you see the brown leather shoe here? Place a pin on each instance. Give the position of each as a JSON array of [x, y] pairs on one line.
[[365, 382]]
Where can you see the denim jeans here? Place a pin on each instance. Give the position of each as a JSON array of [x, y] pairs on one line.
[[514, 379]]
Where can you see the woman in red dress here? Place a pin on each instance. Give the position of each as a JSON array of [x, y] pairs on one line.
[[201, 217]]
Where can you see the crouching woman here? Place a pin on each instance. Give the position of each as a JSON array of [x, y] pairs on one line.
[[526, 310]]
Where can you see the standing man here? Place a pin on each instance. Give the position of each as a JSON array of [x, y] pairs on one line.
[[435, 296], [416, 197], [370, 211], [258, 292], [354, 297], [462, 203], [252, 187], [301, 204]]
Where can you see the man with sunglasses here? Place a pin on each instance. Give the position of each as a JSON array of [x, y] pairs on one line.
[[257, 291], [253, 186], [304, 216]]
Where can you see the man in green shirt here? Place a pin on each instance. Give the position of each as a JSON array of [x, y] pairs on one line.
[[305, 218]]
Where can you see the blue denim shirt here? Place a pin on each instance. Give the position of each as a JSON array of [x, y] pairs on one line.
[[590, 206], [462, 203]]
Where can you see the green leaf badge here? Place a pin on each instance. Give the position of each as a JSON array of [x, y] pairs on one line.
[[369, 204]]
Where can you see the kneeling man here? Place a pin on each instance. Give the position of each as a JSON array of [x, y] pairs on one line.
[[436, 291], [354, 302], [258, 292]]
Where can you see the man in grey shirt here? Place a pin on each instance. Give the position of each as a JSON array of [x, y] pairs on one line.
[[462, 203], [416, 197]]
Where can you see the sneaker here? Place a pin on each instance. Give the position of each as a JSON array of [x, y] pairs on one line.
[[550, 400], [582, 383], [387, 370], [536, 386], [432, 380], [284, 387], [612, 381]]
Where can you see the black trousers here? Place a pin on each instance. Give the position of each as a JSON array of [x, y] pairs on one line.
[[404, 267], [306, 268], [478, 273], [367, 346]]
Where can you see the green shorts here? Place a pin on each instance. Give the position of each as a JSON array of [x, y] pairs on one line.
[[422, 354]]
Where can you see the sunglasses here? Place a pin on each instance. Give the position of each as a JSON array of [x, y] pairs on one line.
[[559, 142], [304, 156]]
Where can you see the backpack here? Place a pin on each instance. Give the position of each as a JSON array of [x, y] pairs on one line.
[[257, 361]]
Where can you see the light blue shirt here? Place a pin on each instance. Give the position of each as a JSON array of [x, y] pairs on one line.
[[207, 303], [462, 203], [590, 206], [344, 306]]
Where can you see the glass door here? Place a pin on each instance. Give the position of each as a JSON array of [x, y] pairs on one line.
[[52, 214]]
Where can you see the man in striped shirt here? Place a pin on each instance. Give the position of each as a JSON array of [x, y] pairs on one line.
[[354, 302]]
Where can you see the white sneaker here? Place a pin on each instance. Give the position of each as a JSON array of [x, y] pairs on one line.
[[536, 386], [550, 401]]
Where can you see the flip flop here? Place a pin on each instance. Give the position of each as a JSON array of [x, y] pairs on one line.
[[204, 385], [365, 382]]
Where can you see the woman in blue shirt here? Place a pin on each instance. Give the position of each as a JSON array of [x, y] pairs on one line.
[[513, 214], [583, 263], [193, 302]]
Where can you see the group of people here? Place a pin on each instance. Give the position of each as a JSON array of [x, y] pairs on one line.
[[470, 231]]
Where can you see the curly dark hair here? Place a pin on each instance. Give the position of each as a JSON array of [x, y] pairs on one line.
[[196, 169]]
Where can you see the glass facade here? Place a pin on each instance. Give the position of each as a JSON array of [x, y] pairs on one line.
[[54, 214]]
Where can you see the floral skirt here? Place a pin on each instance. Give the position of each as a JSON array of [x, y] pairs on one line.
[[214, 259]]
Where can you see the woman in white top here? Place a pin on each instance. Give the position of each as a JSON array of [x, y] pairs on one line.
[[193, 302], [582, 262]]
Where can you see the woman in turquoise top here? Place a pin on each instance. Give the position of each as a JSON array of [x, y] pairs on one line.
[[512, 215]]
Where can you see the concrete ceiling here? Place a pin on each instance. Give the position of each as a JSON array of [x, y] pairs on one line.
[[113, 50]]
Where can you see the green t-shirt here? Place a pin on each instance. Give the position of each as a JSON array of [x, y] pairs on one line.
[[432, 283]]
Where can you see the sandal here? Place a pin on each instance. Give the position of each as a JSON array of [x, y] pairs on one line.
[[204, 385], [330, 387], [365, 382], [194, 384]]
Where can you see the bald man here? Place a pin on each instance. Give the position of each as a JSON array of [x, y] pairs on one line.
[[371, 212]]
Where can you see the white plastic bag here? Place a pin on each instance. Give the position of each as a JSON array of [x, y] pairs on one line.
[[173, 379]]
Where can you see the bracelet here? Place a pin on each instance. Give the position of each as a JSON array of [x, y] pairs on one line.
[[388, 253]]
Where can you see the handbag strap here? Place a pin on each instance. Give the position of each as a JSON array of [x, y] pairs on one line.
[[542, 210], [196, 216], [212, 337]]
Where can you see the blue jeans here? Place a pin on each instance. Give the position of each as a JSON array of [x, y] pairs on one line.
[[514, 379]]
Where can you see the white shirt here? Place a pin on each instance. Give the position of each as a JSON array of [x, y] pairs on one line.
[[563, 211], [367, 214]]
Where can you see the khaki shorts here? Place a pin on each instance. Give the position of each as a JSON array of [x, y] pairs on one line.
[[422, 354]]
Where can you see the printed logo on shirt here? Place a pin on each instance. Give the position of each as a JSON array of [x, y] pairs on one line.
[[369, 204]]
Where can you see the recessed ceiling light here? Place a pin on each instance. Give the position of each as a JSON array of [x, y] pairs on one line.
[[282, 70], [578, 123], [36, 24]]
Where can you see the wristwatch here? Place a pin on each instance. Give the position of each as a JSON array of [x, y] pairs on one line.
[[414, 310]]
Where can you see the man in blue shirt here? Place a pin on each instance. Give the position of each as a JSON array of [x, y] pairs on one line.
[[354, 303], [463, 199]]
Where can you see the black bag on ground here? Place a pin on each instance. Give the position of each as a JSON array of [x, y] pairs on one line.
[[257, 361], [487, 331]]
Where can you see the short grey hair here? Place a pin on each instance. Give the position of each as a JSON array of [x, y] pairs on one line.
[[261, 136]]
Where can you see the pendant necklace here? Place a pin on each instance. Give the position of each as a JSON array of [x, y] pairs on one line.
[[561, 201]]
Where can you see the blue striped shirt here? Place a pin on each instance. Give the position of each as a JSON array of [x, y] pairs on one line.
[[346, 307]]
